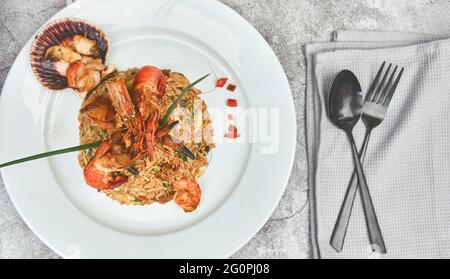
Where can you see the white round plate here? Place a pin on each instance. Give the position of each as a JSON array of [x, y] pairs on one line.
[[244, 182]]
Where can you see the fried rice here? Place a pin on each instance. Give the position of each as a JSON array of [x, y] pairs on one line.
[[149, 181]]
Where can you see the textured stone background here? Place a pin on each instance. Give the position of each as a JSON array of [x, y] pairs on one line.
[[286, 25]]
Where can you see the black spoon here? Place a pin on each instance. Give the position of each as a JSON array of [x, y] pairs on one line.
[[345, 105]]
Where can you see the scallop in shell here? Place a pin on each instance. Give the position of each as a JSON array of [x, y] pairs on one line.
[[59, 44]]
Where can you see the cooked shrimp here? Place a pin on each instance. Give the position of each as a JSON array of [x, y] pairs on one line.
[[187, 194], [103, 170], [149, 84], [101, 112]]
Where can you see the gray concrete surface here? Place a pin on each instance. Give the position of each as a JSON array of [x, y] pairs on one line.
[[286, 25]]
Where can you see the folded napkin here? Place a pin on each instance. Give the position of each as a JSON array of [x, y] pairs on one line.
[[407, 164]]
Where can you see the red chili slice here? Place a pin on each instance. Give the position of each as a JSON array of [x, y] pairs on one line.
[[232, 132], [232, 102], [231, 87], [232, 129], [221, 82]]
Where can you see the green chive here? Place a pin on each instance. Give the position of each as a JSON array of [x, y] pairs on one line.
[[174, 104], [52, 153], [96, 144]]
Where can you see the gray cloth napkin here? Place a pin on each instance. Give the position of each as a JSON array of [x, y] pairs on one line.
[[408, 159]]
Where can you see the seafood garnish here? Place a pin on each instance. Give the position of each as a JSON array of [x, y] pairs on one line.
[[103, 170], [150, 129], [70, 52], [83, 45], [149, 85], [187, 194], [63, 53], [124, 107], [101, 113]]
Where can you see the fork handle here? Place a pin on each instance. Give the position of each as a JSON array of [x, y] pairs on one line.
[[340, 227], [373, 228]]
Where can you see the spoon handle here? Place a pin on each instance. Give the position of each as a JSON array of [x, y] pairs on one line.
[[340, 227], [375, 237]]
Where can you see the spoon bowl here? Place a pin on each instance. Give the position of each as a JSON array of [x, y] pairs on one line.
[[345, 101]]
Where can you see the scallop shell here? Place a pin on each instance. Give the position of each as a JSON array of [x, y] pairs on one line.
[[48, 72]]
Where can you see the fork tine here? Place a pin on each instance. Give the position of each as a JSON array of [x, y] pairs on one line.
[[375, 82], [393, 88], [385, 92], [381, 85]]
